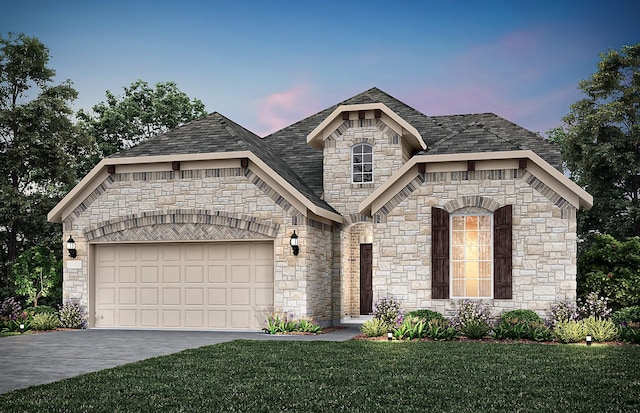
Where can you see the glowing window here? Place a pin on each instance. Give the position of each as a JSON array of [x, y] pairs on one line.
[[471, 256]]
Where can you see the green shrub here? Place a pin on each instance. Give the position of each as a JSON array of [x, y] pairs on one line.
[[475, 329], [410, 328], [13, 325], [374, 328], [425, 314], [611, 268], [627, 315], [72, 315], [45, 321], [600, 329], [565, 310], [522, 315], [441, 329], [41, 309], [281, 322], [521, 324], [387, 310], [472, 311], [308, 326], [630, 333], [571, 331]]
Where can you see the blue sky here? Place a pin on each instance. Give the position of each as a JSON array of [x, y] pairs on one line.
[[266, 65]]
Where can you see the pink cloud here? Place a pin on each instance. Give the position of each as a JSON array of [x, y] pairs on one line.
[[284, 108]]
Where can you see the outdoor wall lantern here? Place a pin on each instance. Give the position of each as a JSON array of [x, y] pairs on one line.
[[294, 243], [589, 339], [71, 247]]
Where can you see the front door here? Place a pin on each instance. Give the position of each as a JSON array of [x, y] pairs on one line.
[[366, 273]]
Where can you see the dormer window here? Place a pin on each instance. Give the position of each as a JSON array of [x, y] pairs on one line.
[[362, 163]]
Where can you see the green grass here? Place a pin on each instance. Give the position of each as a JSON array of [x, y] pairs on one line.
[[273, 376]]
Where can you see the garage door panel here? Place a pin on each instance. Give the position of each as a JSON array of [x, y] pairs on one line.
[[171, 318], [149, 274], [149, 296], [264, 273], [240, 296], [194, 253], [106, 274], [149, 318], [240, 274], [194, 273], [171, 296], [194, 318], [127, 296], [126, 254], [171, 274], [215, 285], [127, 317], [193, 296], [217, 273], [217, 296], [127, 274]]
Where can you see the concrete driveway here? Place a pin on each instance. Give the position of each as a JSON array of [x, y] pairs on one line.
[[33, 359]]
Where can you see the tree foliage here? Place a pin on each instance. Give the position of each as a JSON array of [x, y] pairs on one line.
[[142, 112], [36, 273], [38, 142], [601, 145], [611, 268]]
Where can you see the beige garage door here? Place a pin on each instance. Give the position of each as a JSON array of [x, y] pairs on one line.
[[188, 285]]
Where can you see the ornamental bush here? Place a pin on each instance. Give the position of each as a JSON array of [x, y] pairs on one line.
[[10, 309], [72, 315], [425, 314], [600, 329], [45, 321], [593, 306], [441, 329], [563, 311], [388, 310], [472, 311], [521, 315], [410, 328], [475, 329], [374, 328], [570, 331]]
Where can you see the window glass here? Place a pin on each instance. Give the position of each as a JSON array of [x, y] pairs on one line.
[[362, 163], [471, 256]]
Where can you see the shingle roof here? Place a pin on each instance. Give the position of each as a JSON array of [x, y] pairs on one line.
[[288, 154], [216, 133]]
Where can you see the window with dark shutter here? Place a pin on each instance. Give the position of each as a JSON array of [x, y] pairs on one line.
[[502, 252], [439, 253]]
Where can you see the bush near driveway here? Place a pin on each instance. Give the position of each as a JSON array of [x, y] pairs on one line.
[[275, 376]]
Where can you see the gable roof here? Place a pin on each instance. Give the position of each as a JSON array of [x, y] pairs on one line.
[[216, 133], [299, 166]]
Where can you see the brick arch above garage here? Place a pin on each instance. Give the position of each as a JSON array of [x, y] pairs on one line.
[[182, 224]]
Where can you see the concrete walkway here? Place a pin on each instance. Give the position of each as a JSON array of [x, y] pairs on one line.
[[33, 359]]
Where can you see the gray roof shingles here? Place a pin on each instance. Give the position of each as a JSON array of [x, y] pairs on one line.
[[287, 152]]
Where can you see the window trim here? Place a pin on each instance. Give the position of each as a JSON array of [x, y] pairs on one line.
[[490, 260], [353, 173]]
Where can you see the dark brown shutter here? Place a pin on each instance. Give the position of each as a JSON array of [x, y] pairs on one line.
[[439, 253], [502, 252]]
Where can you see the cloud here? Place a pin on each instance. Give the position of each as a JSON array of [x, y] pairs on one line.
[[284, 108]]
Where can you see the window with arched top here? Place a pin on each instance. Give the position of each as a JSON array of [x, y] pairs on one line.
[[362, 163]]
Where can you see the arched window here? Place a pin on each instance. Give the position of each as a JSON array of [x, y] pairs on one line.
[[362, 163]]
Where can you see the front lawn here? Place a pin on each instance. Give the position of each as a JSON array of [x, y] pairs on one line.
[[272, 376]]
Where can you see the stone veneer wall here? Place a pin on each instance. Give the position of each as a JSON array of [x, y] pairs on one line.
[[544, 238], [204, 205], [388, 157]]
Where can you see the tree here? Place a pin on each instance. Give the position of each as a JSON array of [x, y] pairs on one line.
[[38, 142], [36, 273], [142, 112], [601, 145]]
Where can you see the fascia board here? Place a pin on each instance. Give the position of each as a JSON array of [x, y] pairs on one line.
[[317, 132], [541, 169], [98, 174]]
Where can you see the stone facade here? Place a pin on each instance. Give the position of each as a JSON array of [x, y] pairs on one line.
[[323, 281], [204, 205]]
